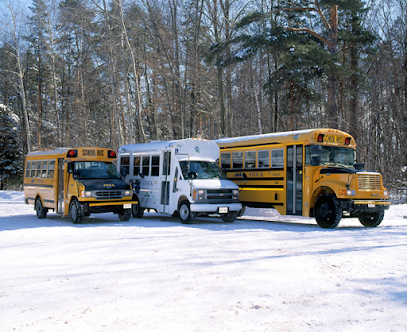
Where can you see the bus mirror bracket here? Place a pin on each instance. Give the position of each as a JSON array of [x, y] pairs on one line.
[[315, 160], [76, 176], [70, 167]]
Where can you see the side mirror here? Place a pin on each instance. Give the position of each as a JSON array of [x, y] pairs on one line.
[[123, 171], [245, 176], [70, 167], [76, 175], [315, 160], [141, 175], [192, 175], [359, 166]]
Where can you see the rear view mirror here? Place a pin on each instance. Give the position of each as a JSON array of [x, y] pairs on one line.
[[70, 167]]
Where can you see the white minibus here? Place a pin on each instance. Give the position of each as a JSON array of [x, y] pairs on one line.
[[179, 177]]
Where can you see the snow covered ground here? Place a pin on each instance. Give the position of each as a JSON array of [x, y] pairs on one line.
[[264, 272]]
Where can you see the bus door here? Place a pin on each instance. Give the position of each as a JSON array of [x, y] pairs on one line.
[[165, 182], [60, 186], [294, 179]]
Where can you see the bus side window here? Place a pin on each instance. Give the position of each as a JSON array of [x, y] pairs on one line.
[[39, 169], [125, 163], [44, 169], [225, 161], [136, 166], [263, 159], [51, 168], [146, 165], [237, 159], [155, 165], [277, 158], [33, 168], [27, 169], [249, 159]]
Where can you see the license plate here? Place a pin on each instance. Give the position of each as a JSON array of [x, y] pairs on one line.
[[224, 209], [371, 205], [126, 206]]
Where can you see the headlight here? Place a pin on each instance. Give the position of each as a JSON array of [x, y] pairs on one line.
[[347, 192], [127, 193], [385, 193], [85, 194], [201, 192], [235, 192]]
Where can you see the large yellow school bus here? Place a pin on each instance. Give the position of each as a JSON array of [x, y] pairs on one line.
[[308, 172], [76, 182]]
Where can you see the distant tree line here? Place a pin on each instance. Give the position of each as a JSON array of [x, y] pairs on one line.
[[113, 72]]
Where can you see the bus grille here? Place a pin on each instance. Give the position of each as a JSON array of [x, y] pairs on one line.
[[369, 182], [219, 194], [109, 194]]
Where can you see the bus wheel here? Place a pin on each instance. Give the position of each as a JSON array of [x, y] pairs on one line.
[[125, 215], [328, 211], [41, 211], [76, 211], [229, 217], [137, 210], [371, 219], [242, 211], [184, 213]]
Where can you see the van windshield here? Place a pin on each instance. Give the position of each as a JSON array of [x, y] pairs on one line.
[[96, 170], [201, 170]]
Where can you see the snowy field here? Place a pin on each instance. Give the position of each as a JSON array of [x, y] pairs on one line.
[[264, 272]]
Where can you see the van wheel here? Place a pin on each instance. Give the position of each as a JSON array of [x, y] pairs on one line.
[[328, 211], [137, 210], [41, 211], [371, 219], [229, 217], [242, 211], [184, 213], [76, 212], [125, 215]]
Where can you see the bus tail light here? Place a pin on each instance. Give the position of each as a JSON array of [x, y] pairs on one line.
[[72, 154], [347, 140], [111, 154], [321, 138]]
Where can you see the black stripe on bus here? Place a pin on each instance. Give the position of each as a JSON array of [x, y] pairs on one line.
[[261, 186], [260, 178], [38, 185], [261, 205], [248, 146], [249, 170], [45, 200]]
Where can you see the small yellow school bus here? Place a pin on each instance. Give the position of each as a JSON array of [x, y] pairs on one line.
[[76, 182], [308, 172]]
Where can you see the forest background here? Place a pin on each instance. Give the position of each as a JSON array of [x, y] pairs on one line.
[[113, 72]]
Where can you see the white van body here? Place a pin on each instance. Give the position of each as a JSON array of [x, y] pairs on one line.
[[179, 177]]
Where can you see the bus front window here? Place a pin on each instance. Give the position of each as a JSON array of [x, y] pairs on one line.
[[330, 155], [96, 170], [202, 169]]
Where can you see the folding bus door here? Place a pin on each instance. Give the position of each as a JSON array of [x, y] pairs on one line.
[[60, 169], [294, 179], [165, 183]]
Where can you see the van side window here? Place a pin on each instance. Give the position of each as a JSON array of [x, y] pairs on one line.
[[174, 188], [277, 158], [33, 168], [155, 165], [39, 168], [225, 160], [27, 169], [249, 159], [237, 159], [51, 168], [136, 166], [263, 159], [146, 165], [125, 162]]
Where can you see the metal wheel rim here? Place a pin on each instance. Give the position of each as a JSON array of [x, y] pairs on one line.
[[38, 207], [184, 212]]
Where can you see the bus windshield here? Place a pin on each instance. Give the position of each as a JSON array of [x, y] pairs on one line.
[[201, 170], [330, 155], [96, 170]]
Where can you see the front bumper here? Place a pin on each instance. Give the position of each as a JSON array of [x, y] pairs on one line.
[[102, 207], [356, 207], [214, 208]]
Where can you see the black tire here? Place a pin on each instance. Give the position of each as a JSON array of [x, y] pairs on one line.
[[328, 211], [184, 212], [373, 219], [137, 210], [87, 214], [76, 211], [40, 209], [229, 217], [242, 211], [125, 215]]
